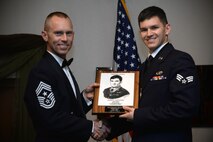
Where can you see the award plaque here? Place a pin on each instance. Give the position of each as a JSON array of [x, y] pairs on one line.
[[117, 89]]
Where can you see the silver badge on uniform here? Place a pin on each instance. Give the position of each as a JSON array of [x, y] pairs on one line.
[[184, 80], [159, 73], [45, 95]]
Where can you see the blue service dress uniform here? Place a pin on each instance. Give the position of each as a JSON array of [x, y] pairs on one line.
[[170, 98], [57, 115]]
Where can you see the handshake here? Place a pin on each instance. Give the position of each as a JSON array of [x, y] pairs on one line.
[[100, 130]]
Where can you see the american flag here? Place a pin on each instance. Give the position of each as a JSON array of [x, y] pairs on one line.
[[125, 50]]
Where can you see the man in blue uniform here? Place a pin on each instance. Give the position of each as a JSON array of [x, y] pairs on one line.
[[170, 89], [52, 96]]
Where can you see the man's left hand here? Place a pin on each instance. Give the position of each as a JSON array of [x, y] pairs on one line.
[[89, 91], [129, 113]]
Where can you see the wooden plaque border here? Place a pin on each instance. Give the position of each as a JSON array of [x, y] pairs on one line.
[[102, 109]]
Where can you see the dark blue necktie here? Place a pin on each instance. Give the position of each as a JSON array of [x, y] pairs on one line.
[[149, 61]]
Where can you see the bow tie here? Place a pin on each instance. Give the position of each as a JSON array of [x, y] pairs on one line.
[[66, 63]]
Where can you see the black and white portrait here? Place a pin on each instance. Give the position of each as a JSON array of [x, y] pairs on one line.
[[116, 89]]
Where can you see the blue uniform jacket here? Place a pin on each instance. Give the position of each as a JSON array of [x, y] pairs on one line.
[[170, 98], [58, 116]]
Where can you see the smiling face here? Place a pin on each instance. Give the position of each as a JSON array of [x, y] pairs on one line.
[[154, 33], [59, 35]]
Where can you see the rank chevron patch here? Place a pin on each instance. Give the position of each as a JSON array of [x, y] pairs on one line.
[[45, 95], [183, 80]]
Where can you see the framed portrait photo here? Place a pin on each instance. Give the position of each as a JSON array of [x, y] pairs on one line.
[[117, 89]]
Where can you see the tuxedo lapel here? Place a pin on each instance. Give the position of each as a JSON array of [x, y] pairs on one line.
[[60, 71], [75, 84], [77, 93], [69, 91]]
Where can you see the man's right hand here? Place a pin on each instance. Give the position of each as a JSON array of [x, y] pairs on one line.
[[101, 131]]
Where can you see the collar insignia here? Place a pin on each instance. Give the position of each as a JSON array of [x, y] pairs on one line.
[[160, 58]]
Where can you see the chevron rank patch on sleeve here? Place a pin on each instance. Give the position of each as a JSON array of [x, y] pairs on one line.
[[184, 80], [45, 95]]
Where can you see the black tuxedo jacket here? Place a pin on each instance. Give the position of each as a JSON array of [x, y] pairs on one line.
[[170, 98], [58, 116]]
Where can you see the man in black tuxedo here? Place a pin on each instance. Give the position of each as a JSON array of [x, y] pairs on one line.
[[52, 96], [169, 84]]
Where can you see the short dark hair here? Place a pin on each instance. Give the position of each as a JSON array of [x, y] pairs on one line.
[[150, 12], [116, 76], [55, 13]]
